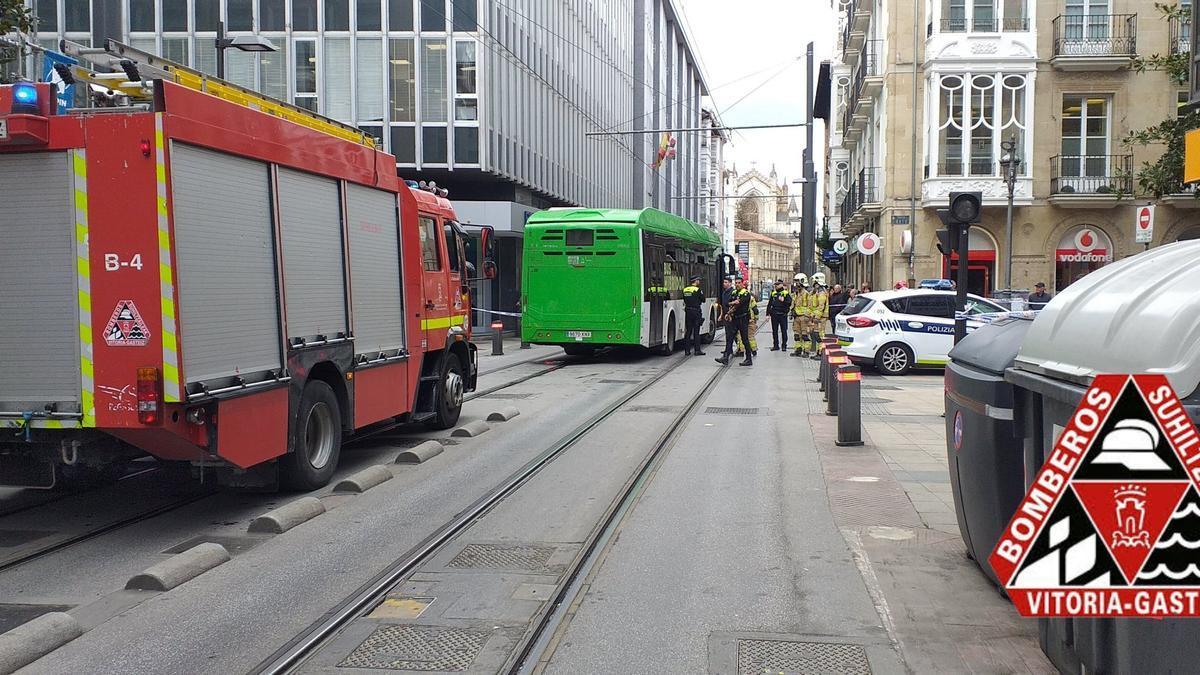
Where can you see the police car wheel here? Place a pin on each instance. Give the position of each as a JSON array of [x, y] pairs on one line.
[[894, 358]]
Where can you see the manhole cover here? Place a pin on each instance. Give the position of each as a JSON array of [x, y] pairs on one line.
[[654, 408], [619, 381], [783, 656], [504, 557], [417, 648], [711, 410], [510, 397], [234, 545], [13, 538]]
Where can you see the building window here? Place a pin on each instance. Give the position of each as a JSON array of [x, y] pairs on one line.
[[433, 15], [337, 14], [174, 16], [1081, 250], [983, 16], [273, 69], [306, 74], [208, 14], [175, 49], [304, 15], [433, 80], [141, 15], [403, 80], [466, 145], [465, 15], [369, 15], [239, 15], [47, 14], [433, 145], [1084, 162], [429, 244], [338, 74], [400, 15], [466, 103], [975, 114], [271, 15], [404, 144], [369, 79]]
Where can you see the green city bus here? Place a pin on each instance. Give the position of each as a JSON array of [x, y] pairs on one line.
[[592, 278]]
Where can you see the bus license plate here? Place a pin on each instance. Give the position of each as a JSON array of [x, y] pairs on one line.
[[3, 129], [579, 334]]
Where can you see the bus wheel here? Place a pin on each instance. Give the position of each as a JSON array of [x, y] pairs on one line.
[[318, 441], [449, 395], [668, 345]]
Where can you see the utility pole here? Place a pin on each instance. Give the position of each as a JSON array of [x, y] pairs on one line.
[[808, 193]]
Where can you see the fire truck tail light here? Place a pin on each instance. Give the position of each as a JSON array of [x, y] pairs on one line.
[[860, 322], [149, 395]]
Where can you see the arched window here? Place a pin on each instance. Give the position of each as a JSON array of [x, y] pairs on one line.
[[976, 112], [1081, 250]]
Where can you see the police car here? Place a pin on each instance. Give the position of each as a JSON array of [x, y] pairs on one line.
[[897, 330]]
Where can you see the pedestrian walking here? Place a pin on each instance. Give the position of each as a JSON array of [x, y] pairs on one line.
[[736, 304], [693, 317], [1039, 297], [838, 300], [778, 307]]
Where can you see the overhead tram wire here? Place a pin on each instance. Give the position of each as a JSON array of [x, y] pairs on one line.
[[517, 60]]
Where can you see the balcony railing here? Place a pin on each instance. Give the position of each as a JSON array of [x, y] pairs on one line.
[[1095, 35], [868, 66], [850, 8], [982, 167], [1181, 35], [1091, 174], [863, 190], [983, 24]]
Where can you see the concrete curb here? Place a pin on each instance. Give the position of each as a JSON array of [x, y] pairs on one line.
[[34, 639], [288, 516], [503, 414], [179, 568], [364, 480], [471, 429], [423, 452]]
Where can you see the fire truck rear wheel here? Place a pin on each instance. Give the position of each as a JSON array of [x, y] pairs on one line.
[[449, 395], [318, 444]]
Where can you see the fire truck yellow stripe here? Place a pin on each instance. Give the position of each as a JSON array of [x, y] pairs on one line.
[[87, 401], [166, 276], [443, 322]]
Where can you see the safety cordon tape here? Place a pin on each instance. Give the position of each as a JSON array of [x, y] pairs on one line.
[[492, 311], [996, 316]]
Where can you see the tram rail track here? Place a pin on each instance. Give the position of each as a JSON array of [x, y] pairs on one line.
[[296, 652]]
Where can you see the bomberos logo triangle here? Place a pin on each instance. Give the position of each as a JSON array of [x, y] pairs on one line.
[[1111, 524]]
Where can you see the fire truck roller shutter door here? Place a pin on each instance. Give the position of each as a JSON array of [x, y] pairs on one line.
[[39, 339], [310, 220], [226, 262], [375, 279]]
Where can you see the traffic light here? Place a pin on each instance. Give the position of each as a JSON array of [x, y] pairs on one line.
[[963, 212], [945, 242], [966, 206]]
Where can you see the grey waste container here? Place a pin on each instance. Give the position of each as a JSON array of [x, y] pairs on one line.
[[984, 449], [1135, 316]]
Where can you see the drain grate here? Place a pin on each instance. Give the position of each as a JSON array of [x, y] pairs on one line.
[[784, 656], [654, 408], [510, 397], [619, 381], [714, 410], [418, 648], [504, 557]]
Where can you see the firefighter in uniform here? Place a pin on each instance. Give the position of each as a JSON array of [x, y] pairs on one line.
[[693, 316], [819, 313], [800, 312], [778, 307], [741, 346]]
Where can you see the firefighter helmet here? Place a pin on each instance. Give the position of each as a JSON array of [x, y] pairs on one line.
[[801, 279], [819, 278]]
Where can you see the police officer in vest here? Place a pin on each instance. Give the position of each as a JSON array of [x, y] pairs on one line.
[[778, 307], [736, 302], [693, 317]]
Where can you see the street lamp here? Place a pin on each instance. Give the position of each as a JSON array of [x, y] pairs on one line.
[[1009, 165], [246, 43]]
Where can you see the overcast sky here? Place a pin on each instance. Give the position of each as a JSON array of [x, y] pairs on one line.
[[739, 39]]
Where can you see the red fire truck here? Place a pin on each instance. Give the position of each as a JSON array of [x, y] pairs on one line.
[[195, 271]]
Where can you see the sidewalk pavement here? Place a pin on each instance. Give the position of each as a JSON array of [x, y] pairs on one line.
[[893, 501]]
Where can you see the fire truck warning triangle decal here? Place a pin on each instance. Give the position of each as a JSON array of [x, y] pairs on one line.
[[126, 328], [1111, 523]]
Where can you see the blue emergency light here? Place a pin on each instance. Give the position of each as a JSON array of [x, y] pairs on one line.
[[25, 99]]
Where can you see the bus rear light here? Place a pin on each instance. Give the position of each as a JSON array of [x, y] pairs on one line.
[[149, 395], [860, 322]]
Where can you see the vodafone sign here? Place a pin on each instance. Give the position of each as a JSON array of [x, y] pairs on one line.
[[1086, 245], [868, 243], [1143, 229]]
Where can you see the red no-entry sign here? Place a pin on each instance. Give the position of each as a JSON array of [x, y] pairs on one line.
[[1143, 232]]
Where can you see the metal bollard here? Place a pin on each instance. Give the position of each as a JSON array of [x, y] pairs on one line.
[[849, 387], [497, 339], [827, 345], [837, 359]]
